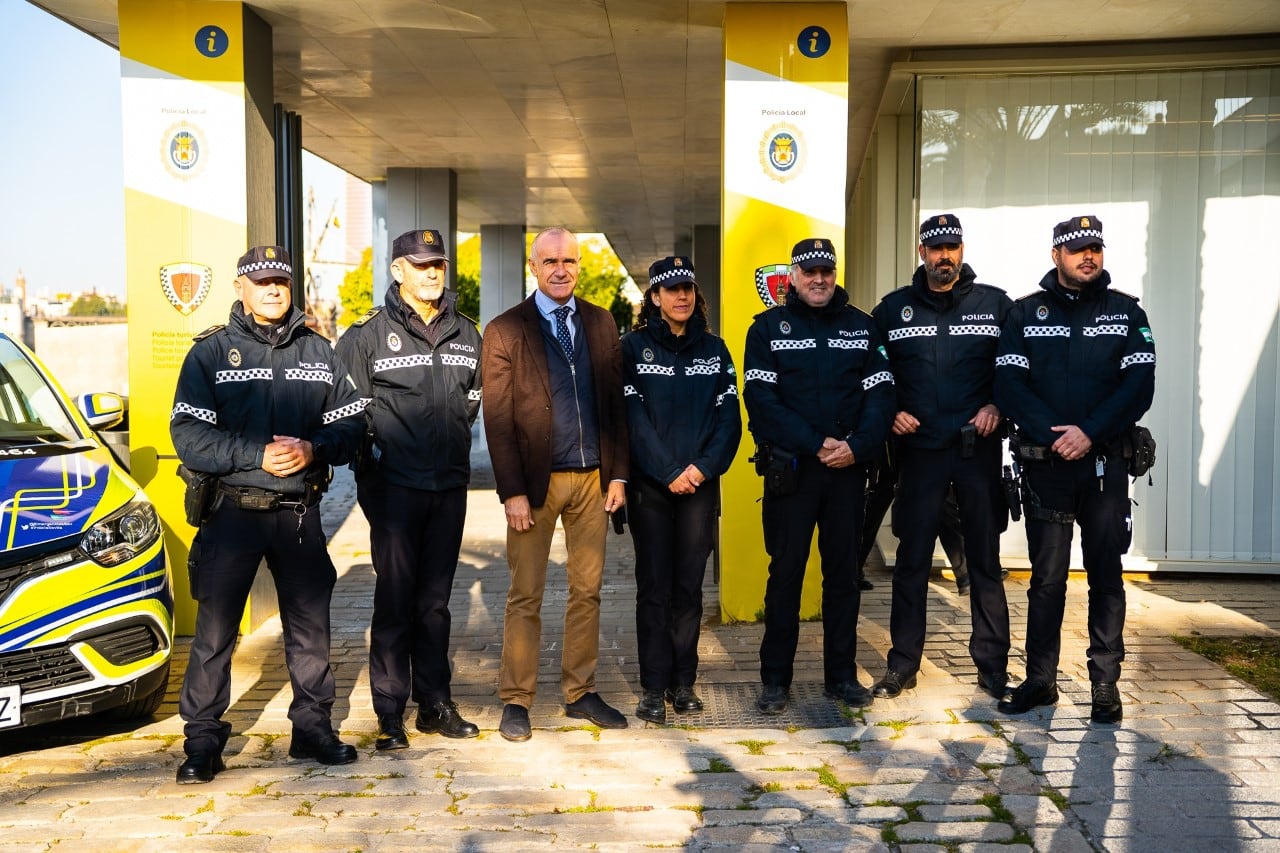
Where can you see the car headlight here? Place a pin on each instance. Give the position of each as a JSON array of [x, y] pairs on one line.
[[123, 534]]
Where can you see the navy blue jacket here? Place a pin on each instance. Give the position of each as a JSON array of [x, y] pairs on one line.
[[1088, 360], [682, 401], [942, 350]]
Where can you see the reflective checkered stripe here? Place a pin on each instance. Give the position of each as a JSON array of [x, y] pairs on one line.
[[702, 370], [280, 266], [1094, 331], [793, 343], [1091, 233], [847, 343], [808, 256], [474, 394], [912, 332], [207, 415], [876, 378], [257, 373], [655, 369], [324, 376], [1046, 332], [457, 360], [345, 412], [1137, 358], [731, 391], [1013, 361], [631, 391], [402, 361], [986, 331], [944, 231], [769, 376]]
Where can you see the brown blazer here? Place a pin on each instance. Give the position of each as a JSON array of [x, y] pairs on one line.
[[517, 398]]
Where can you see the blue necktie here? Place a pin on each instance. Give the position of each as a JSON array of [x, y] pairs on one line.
[[562, 330]]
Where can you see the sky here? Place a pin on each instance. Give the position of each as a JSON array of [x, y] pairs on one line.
[[61, 160]]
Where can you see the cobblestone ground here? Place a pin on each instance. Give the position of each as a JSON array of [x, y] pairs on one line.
[[1194, 767]]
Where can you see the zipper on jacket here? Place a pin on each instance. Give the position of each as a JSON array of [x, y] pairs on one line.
[[577, 405]]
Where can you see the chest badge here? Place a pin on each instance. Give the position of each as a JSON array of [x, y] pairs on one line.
[[393, 342], [647, 354], [1042, 313], [233, 357], [784, 327], [907, 313]]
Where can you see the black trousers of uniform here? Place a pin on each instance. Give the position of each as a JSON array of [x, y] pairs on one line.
[[415, 537], [925, 478], [673, 536], [230, 546], [1106, 529], [833, 500], [880, 496]]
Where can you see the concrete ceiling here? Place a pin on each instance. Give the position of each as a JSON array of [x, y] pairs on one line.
[[604, 115]]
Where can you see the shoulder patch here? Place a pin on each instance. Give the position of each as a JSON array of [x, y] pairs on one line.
[[1032, 295], [1122, 293], [212, 330], [368, 315]]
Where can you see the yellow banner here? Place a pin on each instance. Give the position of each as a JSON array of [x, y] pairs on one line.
[[786, 118], [183, 104]]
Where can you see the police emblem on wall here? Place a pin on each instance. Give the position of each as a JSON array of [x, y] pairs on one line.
[[782, 152], [185, 285], [771, 283], [183, 150]]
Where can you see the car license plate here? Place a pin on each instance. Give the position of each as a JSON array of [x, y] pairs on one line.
[[10, 705]]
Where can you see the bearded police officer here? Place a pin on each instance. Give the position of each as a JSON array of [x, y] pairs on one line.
[[941, 333], [819, 400], [1075, 371], [416, 361], [264, 405]]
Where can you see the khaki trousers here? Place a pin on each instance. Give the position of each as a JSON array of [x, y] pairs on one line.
[[575, 499]]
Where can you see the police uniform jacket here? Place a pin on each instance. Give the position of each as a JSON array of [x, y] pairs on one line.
[[942, 350], [1086, 359], [682, 400], [422, 397], [811, 373], [240, 385]]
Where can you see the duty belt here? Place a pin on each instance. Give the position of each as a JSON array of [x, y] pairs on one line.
[[265, 500]]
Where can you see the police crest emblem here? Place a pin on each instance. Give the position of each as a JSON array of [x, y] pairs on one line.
[[647, 354], [393, 342], [784, 327], [907, 313], [185, 285], [233, 357], [771, 283], [183, 150], [1042, 313], [782, 152]]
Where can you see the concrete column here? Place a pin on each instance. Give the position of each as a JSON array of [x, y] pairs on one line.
[[502, 269], [421, 198], [706, 263], [381, 242]]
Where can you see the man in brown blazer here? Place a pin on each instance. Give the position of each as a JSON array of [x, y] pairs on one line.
[[556, 425]]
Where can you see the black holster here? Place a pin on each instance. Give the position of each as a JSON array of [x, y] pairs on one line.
[[781, 472], [1138, 447], [201, 496]]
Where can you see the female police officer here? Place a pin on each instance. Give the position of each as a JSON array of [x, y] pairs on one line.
[[682, 412]]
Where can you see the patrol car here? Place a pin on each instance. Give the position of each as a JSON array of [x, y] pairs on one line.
[[86, 605]]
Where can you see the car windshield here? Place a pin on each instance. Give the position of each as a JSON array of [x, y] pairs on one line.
[[30, 412]]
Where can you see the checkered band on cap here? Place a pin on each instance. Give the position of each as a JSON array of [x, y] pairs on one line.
[[1080, 234], [257, 266], [670, 271], [814, 252], [260, 261], [943, 231]]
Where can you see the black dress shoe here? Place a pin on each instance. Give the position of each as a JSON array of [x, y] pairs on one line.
[[996, 686], [773, 699], [443, 717], [592, 707], [200, 767], [684, 701], [391, 733], [1106, 703], [515, 723], [1027, 695], [892, 685], [864, 584], [652, 707], [851, 693], [321, 746]]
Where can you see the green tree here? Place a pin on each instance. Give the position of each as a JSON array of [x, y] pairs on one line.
[[466, 272], [93, 305], [356, 291]]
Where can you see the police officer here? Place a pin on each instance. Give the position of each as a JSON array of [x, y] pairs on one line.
[[819, 400], [941, 332], [416, 361], [264, 404], [1075, 371], [685, 425]]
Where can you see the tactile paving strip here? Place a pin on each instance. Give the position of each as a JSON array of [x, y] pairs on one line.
[[733, 706]]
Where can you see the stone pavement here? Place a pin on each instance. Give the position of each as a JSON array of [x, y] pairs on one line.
[[1194, 767]]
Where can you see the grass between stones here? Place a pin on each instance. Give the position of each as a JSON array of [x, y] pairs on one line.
[[1253, 659]]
